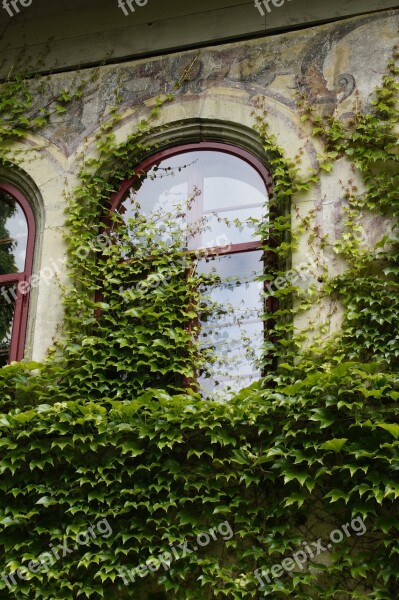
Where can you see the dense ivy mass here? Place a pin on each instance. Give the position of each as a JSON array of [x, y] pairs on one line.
[[110, 429]]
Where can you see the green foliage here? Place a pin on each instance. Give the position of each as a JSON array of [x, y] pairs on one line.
[[109, 427]]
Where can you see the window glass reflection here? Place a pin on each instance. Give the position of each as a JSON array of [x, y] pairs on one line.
[[231, 325], [235, 226], [201, 190], [232, 282], [13, 235], [235, 350]]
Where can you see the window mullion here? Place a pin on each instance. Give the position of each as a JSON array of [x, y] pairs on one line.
[[195, 212]]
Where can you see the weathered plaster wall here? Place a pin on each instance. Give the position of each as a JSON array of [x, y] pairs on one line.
[[339, 64]]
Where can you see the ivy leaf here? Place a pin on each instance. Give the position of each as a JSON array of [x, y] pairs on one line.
[[335, 445], [46, 501], [132, 312], [336, 495], [391, 428], [291, 474], [323, 416]]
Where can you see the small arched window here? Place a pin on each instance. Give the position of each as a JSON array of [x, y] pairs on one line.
[[226, 189], [17, 238]]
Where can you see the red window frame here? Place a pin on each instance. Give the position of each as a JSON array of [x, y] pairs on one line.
[[20, 319], [269, 257]]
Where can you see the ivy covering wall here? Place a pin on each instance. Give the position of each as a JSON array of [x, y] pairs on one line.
[[106, 430]]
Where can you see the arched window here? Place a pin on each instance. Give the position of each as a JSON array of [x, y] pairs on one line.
[[226, 191], [17, 238]]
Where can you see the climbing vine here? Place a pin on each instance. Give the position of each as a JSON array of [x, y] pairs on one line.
[[107, 428]]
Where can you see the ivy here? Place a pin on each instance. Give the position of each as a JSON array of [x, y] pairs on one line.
[[112, 427]]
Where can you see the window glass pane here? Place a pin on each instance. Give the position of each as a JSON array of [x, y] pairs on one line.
[[199, 190], [231, 324], [13, 235], [232, 227], [7, 307], [236, 184], [234, 282], [236, 351]]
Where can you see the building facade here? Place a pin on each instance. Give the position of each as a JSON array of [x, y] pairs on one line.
[[231, 62]]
